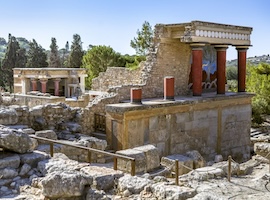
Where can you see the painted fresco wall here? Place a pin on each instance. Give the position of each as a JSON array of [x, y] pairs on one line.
[[209, 68]]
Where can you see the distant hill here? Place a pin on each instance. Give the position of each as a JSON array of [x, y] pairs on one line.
[[252, 60]]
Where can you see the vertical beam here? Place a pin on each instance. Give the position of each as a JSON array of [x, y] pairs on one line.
[[34, 84], [221, 68], [242, 62], [136, 95], [43, 85], [56, 86], [169, 88], [197, 54]]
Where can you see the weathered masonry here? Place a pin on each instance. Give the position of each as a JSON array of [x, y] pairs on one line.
[[56, 81], [174, 117]]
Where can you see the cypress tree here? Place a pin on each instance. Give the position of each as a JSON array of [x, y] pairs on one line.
[[76, 53], [54, 59]]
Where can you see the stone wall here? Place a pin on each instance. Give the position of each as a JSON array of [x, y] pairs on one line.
[[116, 76], [34, 100], [209, 125]]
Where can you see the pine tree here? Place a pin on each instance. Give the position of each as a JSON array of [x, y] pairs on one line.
[[54, 59], [144, 40], [36, 57], [98, 59], [76, 53]]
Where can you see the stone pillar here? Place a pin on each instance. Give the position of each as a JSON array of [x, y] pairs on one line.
[[242, 62], [136, 95], [197, 54], [43, 85], [82, 82], [56, 86], [23, 85], [34, 84], [221, 68], [169, 88]]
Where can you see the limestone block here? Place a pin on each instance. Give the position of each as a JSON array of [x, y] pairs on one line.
[[49, 134], [125, 165], [64, 184], [206, 173], [8, 173], [16, 141], [24, 169], [262, 149], [235, 167], [33, 158], [36, 111], [133, 184], [96, 194], [153, 123], [169, 162], [163, 190], [9, 160], [182, 117], [92, 142], [74, 127], [103, 178], [197, 159], [152, 156], [8, 116]]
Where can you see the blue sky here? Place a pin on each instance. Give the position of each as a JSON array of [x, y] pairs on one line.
[[115, 22]]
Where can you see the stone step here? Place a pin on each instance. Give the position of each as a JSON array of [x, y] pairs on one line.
[[99, 135]]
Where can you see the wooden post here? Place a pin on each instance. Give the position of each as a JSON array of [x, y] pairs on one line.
[[51, 149], [133, 168], [176, 172], [89, 155], [115, 163], [229, 168]]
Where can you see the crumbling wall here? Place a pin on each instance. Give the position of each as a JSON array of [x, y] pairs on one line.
[[167, 57], [116, 76], [86, 119]]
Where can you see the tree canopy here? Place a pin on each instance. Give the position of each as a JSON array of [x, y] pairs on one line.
[[98, 59], [144, 39], [258, 81], [36, 56], [14, 58]]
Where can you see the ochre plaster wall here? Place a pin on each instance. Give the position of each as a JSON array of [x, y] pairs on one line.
[[216, 127]]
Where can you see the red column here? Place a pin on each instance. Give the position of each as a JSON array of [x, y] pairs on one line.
[[43, 85], [34, 84], [242, 62], [169, 88], [136, 95], [197, 53], [56, 87], [221, 68]]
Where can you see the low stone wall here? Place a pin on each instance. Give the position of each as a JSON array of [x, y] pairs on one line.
[[212, 125], [33, 100]]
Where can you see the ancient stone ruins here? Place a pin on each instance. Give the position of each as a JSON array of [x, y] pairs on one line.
[[162, 131]]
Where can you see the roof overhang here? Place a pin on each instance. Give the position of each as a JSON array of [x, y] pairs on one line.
[[208, 32]]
